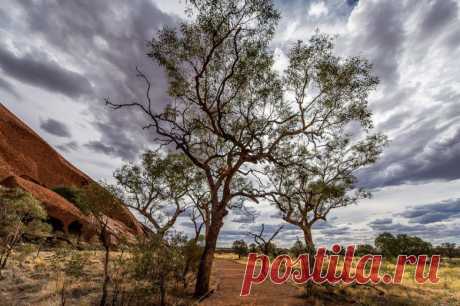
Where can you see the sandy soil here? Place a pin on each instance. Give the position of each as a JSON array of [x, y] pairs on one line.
[[227, 277]]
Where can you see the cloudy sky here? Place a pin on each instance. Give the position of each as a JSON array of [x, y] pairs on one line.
[[60, 59]]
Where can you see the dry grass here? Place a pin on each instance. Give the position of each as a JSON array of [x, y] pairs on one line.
[[33, 280], [445, 292]]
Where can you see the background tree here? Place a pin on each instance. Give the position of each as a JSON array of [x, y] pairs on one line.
[[448, 250], [193, 249], [365, 249], [316, 174], [266, 245], [297, 248], [386, 244], [99, 199], [21, 215], [229, 111], [391, 246], [158, 263], [240, 248], [157, 188]]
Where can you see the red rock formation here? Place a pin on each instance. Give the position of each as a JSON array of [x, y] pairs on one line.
[[27, 161]]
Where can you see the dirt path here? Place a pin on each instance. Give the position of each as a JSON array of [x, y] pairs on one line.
[[228, 276]]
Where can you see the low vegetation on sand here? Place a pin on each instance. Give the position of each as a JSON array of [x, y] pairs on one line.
[[446, 292]]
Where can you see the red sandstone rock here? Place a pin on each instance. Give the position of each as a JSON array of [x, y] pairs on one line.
[[28, 162]]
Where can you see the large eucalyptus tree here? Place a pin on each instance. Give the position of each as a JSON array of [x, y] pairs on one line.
[[231, 112]]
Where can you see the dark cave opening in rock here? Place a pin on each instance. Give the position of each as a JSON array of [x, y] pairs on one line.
[[75, 228], [56, 224]]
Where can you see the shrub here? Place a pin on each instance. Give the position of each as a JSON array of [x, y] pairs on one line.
[[75, 196], [21, 215], [240, 247], [159, 264]]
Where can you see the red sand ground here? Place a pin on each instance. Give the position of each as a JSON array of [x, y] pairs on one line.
[[228, 275]]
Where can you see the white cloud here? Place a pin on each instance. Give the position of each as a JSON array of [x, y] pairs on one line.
[[318, 9]]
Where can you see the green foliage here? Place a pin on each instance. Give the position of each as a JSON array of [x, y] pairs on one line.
[[391, 246], [231, 113], [240, 247], [447, 249], [364, 249], [21, 215], [76, 264], [158, 263], [298, 248], [75, 196], [157, 183]]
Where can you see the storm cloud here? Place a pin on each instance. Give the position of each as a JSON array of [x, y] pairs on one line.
[[38, 70], [55, 128]]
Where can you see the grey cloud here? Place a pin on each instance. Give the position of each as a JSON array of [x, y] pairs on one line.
[[8, 87], [381, 37], [352, 2], [106, 40], [383, 221], [68, 146], [55, 128], [321, 225], [433, 213], [439, 15], [245, 215], [38, 70], [417, 155], [99, 147]]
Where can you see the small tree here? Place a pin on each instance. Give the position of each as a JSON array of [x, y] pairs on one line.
[[21, 215], [298, 248], [159, 262], [192, 249], [74, 195], [387, 245], [240, 248], [156, 185], [365, 249], [99, 200], [266, 245], [449, 249]]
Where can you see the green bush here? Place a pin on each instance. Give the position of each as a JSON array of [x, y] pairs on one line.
[[75, 196], [21, 215]]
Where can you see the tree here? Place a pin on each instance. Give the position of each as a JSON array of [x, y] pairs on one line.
[[74, 195], [402, 244], [297, 248], [229, 112], [316, 174], [192, 249], [365, 249], [159, 260], [240, 248], [266, 245], [21, 215], [151, 187], [99, 200], [387, 245], [448, 249]]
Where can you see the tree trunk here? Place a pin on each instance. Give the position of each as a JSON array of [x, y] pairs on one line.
[[162, 290], [310, 248], [106, 243], [207, 258]]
